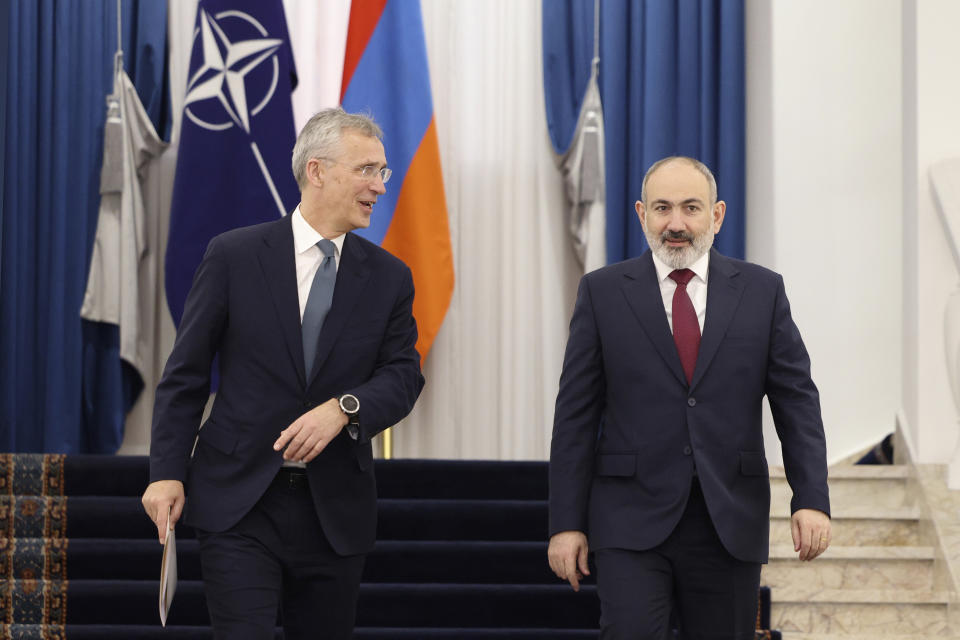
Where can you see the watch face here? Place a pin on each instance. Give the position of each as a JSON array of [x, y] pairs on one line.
[[349, 404]]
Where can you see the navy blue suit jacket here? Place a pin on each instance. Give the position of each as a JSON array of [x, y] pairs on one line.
[[628, 429], [243, 307]]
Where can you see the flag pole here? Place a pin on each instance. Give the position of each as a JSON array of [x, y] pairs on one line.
[[595, 63], [387, 442]]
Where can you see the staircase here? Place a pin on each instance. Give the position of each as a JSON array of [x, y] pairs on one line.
[[880, 578], [461, 555]]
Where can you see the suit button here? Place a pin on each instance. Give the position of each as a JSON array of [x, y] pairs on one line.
[[687, 450], [307, 404], [692, 402]]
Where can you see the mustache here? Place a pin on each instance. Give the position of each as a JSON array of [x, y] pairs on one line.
[[676, 235]]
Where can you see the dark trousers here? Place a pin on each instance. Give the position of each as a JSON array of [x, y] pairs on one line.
[[278, 557], [715, 595]]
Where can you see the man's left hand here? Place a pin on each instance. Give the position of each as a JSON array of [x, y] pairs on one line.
[[309, 434], [811, 532]]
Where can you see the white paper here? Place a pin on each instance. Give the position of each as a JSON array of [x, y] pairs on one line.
[[168, 574]]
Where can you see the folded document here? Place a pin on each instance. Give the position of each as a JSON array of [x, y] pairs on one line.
[[168, 574]]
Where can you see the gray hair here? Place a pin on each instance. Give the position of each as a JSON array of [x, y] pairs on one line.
[[693, 162], [320, 137]]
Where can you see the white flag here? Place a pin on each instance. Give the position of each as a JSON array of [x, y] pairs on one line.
[[121, 284], [583, 175]]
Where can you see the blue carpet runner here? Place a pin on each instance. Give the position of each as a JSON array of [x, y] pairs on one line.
[[461, 554]]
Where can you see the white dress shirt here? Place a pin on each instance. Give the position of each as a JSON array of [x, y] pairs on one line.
[[696, 288], [308, 255], [308, 258]]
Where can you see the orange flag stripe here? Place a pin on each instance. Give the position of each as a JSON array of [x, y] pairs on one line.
[[419, 234]]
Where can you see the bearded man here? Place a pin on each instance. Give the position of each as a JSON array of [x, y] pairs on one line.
[[657, 456]]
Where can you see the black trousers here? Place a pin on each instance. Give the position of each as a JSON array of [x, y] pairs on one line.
[[277, 557], [714, 594]]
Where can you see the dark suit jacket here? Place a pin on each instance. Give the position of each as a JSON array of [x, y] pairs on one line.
[[243, 307], [628, 429]]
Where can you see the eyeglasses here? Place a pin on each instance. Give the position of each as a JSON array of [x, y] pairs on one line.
[[367, 171]]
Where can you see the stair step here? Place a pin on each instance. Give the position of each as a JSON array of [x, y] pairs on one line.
[[482, 562], [399, 519], [109, 517], [877, 492], [837, 552], [860, 525], [112, 632], [478, 606], [856, 471], [97, 602], [395, 633], [494, 520], [873, 613], [876, 485], [851, 567], [794, 635], [390, 561], [859, 511], [181, 632], [807, 594], [462, 479]]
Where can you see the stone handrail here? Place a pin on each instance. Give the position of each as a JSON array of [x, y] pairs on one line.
[[945, 180]]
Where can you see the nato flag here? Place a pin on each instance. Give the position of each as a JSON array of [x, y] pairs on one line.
[[237, 133]]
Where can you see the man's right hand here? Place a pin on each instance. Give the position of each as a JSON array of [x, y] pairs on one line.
[[160, 498], [567, 554]]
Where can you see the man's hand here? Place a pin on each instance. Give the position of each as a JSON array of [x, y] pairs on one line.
[[309, 434], [567, 554], [161, 498], [811, 532]]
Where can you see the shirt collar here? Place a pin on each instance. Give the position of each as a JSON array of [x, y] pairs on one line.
[[700, 268], [305, 236]]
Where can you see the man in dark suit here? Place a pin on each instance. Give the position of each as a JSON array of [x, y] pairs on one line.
[[315, 338], [657, 451]]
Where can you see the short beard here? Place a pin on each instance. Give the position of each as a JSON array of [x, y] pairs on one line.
[[680, 257]]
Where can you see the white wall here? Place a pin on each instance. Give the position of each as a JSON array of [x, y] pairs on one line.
[[824, 166], [931, 132]]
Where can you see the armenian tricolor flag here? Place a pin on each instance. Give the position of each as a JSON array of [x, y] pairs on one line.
[[385, 74]]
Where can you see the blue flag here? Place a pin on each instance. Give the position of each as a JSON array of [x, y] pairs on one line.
[[237, 133]]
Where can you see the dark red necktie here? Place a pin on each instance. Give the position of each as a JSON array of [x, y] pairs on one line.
[[686, 328]]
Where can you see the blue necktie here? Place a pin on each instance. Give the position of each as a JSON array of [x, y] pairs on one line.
[[318, 303]]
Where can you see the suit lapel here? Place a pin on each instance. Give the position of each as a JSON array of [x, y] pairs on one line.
[[724, 290], [642, 291], [280, 271], [352, 276]]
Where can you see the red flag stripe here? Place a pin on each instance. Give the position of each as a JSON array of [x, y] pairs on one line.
[[364, 16]]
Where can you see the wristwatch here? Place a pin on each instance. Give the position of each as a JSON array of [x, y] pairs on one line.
[[351, 406]]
